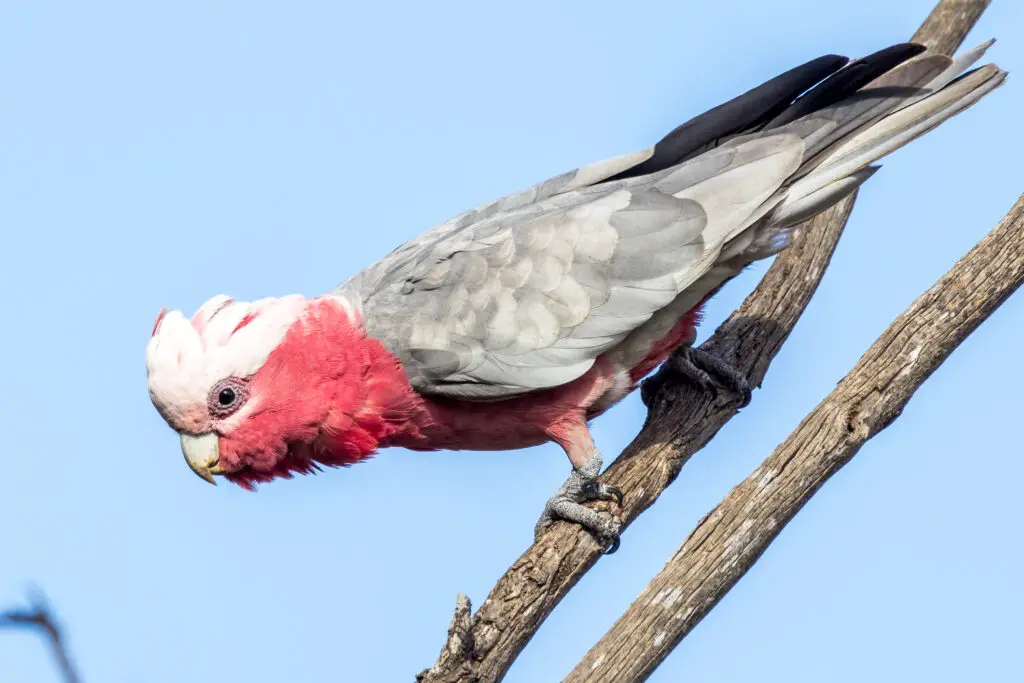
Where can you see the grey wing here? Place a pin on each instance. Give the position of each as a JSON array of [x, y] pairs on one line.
[[405, 255], [528, 298], [528, 291]]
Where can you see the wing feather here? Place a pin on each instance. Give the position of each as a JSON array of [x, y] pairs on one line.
[[527, 291], [523, 299]]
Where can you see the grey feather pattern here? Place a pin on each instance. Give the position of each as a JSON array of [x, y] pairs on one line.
[[528, 298], [526, 292]]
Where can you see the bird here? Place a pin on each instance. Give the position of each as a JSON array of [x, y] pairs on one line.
[[520, 321]]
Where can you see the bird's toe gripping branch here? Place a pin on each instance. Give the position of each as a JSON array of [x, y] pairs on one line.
[[568, 504], [707, 371]]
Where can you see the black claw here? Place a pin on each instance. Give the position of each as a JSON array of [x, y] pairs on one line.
[[650, 387], [568, 504], [612, 546], [595, 490], [745, 395], [616, 492]]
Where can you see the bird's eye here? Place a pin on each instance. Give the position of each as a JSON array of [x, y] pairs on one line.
[[227, 396]]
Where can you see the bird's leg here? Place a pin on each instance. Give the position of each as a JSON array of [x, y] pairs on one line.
[[581, 487], [699, 367]]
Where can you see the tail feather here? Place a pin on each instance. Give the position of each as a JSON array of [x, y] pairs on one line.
[[886, 94], [847, 81], [895, 130], [892, 91], [742, 114], [845, 139], [961, 63], [801, 208]]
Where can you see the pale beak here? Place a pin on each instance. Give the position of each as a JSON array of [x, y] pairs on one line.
[[202, 453]]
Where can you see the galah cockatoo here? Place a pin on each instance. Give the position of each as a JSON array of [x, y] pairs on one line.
[[519, 321]]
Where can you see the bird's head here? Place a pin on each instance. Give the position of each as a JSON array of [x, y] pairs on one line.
[[263, 389]]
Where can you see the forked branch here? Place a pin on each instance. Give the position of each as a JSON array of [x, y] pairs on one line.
[[486, 644]]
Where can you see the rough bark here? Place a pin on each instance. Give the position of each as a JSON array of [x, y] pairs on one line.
[[948, 24], [728, 541], [680, 423]]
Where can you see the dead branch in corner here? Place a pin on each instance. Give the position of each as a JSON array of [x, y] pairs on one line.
[[484, 648], [39, 617]]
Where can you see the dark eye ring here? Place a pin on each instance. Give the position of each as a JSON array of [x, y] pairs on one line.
[[227, 396]]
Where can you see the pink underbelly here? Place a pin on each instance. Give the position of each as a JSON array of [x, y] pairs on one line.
[[683, 332], [518, 422], [527, 420]]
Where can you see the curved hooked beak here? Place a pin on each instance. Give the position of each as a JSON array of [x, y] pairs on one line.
[[202, 453]]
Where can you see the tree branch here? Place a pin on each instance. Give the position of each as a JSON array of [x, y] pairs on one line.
[[40, 618], [949, 23], [727, 542], [675, 430]]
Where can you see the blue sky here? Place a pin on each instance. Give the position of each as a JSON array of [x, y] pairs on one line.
[[159, 153]]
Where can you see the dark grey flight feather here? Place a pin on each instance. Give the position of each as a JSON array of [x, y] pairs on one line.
[[847, 81], [526, 292], [744, 113]]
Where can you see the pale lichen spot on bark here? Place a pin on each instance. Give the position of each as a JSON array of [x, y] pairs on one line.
[[685, 614], [659, 639], [597, 662], [668, 597], [912, 357], [739, 538], [767, 479]]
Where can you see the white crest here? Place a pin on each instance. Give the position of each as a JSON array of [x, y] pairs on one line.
[[187, 357]]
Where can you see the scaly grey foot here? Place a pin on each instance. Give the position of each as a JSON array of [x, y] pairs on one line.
[[567, 503], [700, 368]]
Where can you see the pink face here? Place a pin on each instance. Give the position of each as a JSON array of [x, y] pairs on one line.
[[259, 390], [289, 401]]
